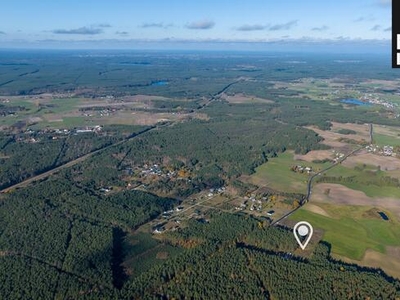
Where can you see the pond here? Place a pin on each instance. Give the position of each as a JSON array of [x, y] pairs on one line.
[[383, 215], [355, 102]]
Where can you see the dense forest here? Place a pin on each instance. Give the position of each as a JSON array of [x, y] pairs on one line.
[[78, 234], [66, 234], [232, 255], [124, 72], [26, 154], [252, 262]]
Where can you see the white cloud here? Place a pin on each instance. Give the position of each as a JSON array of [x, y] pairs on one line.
[[205, 24], [284, 26], [80, 31], [253, 27]]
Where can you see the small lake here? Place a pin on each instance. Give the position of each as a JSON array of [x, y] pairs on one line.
[[355, 102], [383, 215], [159, 83]]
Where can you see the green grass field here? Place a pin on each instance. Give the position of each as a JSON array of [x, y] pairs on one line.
[[50, 109], [351, 232], [277, 173], [366, 179], [55, 105], [375, 191], [383, 140]]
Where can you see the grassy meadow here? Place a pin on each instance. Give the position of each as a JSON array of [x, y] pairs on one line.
[[351, 230]]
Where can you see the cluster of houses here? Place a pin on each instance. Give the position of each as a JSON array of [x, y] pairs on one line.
[[385, 150], [156, 170], [65, 131], [88, 129], [255, 205], [370, 98], [30, 140], [54, 134], [388, 151], [31, 136], [101, 111], [252, 202], [168, 225], [219, 190], [107, 112], [372, 148], [337, 156], [168, 213], [301, 169]]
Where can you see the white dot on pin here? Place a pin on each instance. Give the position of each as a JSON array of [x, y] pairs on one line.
[[303, 230]]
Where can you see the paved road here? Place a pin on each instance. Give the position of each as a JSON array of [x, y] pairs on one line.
[[71, 163], [371, 133], [86, 156], [309, 186]]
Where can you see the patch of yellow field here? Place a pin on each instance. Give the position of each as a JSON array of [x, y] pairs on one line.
[[315, 209]]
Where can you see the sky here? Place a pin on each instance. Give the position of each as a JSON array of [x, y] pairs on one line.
[[202, 24]]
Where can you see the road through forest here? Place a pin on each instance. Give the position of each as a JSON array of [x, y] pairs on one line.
[[73, 162]]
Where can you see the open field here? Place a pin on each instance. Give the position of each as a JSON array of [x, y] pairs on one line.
[[353, 229], [361, 129], [348, 212], [390, 131], [383, 140], [386, 163], [277, 174], [45, 111], [332, 139], [342, 195], [369, 181], [317, 209], [315, 155], [356, 232], [389, 262], [372, 173]]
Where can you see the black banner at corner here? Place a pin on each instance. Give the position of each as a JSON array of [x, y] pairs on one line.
[[395, 33]]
